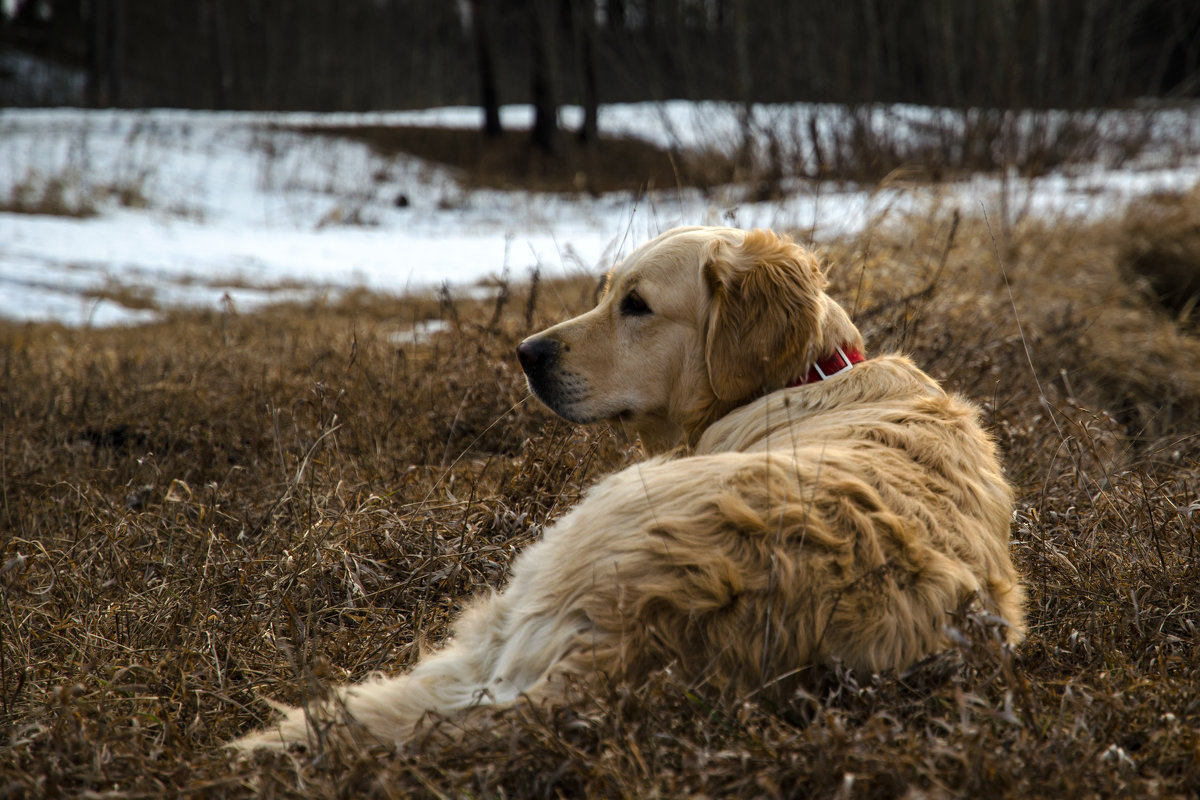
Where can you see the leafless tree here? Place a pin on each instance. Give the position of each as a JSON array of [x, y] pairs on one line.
[[543, 26], [489, 94], [363, 54], [583, 19]]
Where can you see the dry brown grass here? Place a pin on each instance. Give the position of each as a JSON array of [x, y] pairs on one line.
[[511, 162], [218, 508], [68, 194], [1161, 252], [62, 195]]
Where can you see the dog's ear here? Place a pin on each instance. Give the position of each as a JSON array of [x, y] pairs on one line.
[[765, 314]]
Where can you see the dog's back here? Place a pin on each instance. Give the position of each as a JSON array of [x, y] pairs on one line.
[[909, 481]]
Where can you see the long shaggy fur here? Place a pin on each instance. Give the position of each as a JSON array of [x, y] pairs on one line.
[[777, 529]]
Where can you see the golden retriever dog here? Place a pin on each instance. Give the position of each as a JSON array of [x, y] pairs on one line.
[[802, 504]]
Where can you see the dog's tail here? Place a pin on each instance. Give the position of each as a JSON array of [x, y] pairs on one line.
[[502, 651]]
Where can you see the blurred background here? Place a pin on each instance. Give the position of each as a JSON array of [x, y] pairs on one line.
[[165, 152], [357, 55]]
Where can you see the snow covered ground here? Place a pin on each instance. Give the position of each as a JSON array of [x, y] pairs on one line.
[[210, 208]]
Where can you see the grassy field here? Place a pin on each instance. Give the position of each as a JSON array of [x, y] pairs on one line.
[[218, 509]]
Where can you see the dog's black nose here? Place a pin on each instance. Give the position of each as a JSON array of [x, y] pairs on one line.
[[536, 354]]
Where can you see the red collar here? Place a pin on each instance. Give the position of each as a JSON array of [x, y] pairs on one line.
[[839, 361]]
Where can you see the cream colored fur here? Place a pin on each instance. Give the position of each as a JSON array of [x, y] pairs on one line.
[[778, 528]]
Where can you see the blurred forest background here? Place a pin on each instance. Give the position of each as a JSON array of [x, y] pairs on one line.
[[356, 55]]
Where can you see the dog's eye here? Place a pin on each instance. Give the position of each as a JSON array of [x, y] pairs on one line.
[[632, 305]]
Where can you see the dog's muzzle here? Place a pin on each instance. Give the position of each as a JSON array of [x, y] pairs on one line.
[[559, 389], [538, 358]]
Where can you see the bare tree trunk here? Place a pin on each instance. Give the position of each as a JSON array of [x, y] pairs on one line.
[[545, 105], [489, 95], [1083, 55], [222, 73], [741, 35], [95, 41], [115, 49], [104, 25], [584, 19], [949, 43], [872, 64], [615, 9], [1043, 88]]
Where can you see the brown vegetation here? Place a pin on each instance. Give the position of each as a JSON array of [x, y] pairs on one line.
[[1162, 251], [510, 161], [61, 196], [68, 194], [214, 509]]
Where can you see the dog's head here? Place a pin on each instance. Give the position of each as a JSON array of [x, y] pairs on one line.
[[692, 324]]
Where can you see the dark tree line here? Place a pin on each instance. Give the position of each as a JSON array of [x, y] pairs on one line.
[[253, 54], [381, 54]]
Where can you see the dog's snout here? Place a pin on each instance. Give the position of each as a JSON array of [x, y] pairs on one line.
[[536, 354]]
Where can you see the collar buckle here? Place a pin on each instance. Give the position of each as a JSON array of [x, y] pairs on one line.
[[847, 364], [837, 362]]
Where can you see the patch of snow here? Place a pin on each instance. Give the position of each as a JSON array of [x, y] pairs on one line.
[[206, 209], [419, 332]]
